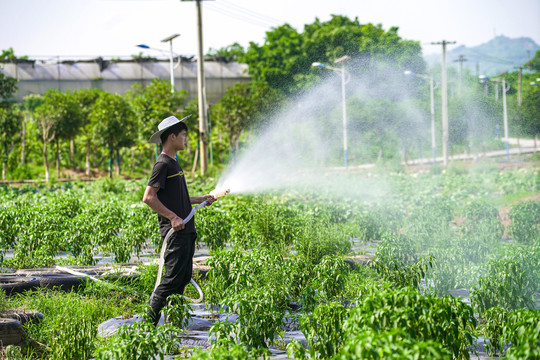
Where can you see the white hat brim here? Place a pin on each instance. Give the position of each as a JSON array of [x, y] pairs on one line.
[[156, 137]]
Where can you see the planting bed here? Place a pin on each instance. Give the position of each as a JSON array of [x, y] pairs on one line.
[[423, 268]]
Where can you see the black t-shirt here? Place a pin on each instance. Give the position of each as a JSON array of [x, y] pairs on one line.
[[168, 176]]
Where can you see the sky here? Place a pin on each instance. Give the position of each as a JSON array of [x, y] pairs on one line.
[[112, 28]]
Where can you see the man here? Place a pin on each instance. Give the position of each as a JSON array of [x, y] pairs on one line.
[[167, 194]]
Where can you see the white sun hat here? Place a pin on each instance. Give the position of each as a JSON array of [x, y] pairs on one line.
[[164, 125]]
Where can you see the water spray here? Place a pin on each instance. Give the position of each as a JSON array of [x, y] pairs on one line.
[[216, 194]]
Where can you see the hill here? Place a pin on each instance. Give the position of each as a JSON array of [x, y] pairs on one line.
[[497, 55]]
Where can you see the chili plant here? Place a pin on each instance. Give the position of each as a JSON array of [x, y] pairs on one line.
[[323, 331], [447, 320], [525, 218], [391, 344], [260, 316], [506, 285]]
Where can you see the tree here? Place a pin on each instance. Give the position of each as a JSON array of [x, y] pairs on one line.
[[375, 121], [226, 54], [534, 63], [30, 103], [285, 58], [527, 116], [64, 112], [46, 126], [151, 105], [115, 124], [10, 125], [278, 59], [242, 107], [69, 123], [8, 86], [86, 98]]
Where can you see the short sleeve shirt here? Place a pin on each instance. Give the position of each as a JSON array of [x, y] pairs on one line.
[[168, 176]]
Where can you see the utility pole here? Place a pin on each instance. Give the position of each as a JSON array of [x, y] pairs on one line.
[[444, 91], [505, 115], [520, 82], [460, 60], [201, 85]]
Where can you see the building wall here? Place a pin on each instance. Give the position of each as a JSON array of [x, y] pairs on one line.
[[118, 77]]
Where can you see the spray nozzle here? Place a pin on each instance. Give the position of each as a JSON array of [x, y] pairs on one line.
[[219, 193]]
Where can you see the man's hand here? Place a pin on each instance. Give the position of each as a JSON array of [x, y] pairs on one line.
[[209, 199], [177, 223]]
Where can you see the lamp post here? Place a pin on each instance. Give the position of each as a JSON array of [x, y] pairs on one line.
[[171, 53], [432, 109], [341, 61], [170, 39], [484, 79]]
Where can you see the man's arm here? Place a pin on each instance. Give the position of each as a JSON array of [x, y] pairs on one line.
[[199, 199], [150, 198]]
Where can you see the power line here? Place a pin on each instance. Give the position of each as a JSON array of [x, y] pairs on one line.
[[239, 16], [252, 13]]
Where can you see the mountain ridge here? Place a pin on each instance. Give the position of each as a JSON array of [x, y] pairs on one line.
[[498, 55]]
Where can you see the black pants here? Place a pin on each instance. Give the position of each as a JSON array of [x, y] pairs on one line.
[[178, 264]]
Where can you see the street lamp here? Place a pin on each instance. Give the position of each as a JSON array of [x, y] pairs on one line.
[[484, 79], [171, 53], [170, 39], [341, 61], [432, 110]]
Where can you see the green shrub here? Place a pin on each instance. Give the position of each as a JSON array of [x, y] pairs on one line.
[[525, 218], [72, 338], [506, 285], [447, 265], [178, 311], [447, 321], [147, 279], [3, 301], [318, 238], [226, 351], [390, 344], [396, 261], [377, 222], [260, 316], [213, 227], [520, 329], [522, 333], [429, 223], [527, 257], [323, 331], [493, 329], [330, 276], [233, 271], [142, 341], [481, 224]]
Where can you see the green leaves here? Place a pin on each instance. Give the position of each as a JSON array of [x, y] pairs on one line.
[[142, 341], [323, 330], [506, 285], [525, 217], [446, 321]]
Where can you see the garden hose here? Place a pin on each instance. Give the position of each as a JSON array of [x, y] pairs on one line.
[[169, 234], [162, 254]]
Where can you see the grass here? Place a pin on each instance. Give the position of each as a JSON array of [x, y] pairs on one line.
[[69, 326]]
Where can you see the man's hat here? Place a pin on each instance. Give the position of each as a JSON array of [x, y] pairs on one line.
[[164, 125]]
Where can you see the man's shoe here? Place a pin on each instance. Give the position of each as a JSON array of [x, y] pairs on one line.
[[156, 303]]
